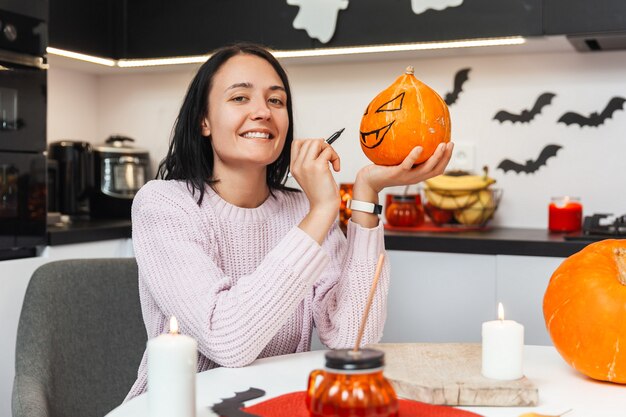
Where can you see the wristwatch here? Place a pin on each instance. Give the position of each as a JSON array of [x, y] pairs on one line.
[[364, 206]]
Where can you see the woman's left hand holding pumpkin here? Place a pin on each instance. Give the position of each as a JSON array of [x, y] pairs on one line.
[[372, 179], [378, 177]]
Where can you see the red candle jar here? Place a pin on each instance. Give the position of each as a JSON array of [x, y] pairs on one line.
[[565, 214]]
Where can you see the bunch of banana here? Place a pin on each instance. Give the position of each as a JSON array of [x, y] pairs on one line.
[[478, 212], [467, 194]]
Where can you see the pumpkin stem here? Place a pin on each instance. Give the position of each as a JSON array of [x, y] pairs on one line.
[[620, 259], [409, 70]]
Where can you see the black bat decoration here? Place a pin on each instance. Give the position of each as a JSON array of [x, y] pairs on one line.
[[231, 407], [526, 115], [459, 79], [530, 166], [594, 119]]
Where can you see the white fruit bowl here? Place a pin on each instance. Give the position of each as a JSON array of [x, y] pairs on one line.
[[461, 209]]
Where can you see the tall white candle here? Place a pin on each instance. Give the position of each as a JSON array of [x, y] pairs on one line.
[[502, 352], [172, 363]]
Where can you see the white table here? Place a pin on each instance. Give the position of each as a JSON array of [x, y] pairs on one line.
[[560, 387]]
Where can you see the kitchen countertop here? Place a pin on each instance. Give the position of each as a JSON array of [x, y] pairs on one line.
[[88, 230], [494, 241]]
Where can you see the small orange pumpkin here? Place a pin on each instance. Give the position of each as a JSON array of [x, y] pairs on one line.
[[406, 114], [584, 309]]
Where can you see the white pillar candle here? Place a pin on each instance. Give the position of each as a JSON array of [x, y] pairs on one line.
[[172, 363], [502, 350]]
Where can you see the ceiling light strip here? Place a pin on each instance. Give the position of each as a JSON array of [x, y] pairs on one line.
[[198, 59], [151, 62], [81, 57], [517, 40]]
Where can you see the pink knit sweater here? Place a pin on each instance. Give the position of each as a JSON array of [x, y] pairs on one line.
[[248, 283]]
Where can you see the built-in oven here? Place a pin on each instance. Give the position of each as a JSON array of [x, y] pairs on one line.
[[23, 87]]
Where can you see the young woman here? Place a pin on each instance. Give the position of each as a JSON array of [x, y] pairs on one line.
[[247, 265]]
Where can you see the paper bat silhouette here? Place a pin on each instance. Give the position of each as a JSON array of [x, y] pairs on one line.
[[231, 407], [530, 166], [459, 79], [526, 115], [594, 119]]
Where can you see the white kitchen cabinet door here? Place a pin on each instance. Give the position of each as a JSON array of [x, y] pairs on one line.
[[439, 297], [521, 284]]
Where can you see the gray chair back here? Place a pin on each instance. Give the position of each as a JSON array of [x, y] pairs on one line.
[[80, 339]]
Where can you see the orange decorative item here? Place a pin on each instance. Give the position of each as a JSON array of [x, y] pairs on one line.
[[352, 384], [345, 192], [405, 115], [405, 211], [584, 309]]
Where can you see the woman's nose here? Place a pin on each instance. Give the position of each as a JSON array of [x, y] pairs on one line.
[[260, 111]]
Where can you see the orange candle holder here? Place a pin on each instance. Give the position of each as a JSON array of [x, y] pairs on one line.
[[351, 384], [565, 214], [404, 210], [345, 192]]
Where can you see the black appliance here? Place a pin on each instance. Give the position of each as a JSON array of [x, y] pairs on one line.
[[23, 86], [120, 170], [600, 227], [75, 176], [53, 186]]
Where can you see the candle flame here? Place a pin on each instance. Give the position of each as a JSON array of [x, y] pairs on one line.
[[500, 311], [173, 325]]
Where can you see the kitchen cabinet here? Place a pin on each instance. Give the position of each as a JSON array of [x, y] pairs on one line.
[[192, 27], [94, 27], [438, 297], [160, 28], [584, 17], [444, 297], [14, 280], [522, 282]]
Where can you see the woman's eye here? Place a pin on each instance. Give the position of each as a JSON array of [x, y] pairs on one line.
[[239, 99], [276, 101]]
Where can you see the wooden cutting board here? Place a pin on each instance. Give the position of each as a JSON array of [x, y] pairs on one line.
[[449, 374]]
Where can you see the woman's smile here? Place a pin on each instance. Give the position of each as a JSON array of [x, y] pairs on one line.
[[257, 134]]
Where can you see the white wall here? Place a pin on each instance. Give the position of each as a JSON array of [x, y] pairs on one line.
[[330, 96], [72, 105]]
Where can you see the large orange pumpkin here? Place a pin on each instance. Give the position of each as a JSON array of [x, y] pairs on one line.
[[585, 310], [405, 115]]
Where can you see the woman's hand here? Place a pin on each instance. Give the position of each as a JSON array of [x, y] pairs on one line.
[[310, 160], [372, 179], [379, 177]]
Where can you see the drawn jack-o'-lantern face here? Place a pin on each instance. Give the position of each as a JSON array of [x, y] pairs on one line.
[[405, 115]]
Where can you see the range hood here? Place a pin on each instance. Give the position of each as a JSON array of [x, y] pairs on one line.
[[596, 42]]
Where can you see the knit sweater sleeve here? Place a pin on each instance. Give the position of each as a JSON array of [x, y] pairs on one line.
[[231, 322], [340, 295]]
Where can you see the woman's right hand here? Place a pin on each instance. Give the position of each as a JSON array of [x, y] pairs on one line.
[[310, 160]]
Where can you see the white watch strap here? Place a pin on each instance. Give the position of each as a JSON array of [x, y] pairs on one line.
[[364, 206]]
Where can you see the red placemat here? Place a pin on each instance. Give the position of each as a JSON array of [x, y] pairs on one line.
[[432, 227], [294, 405]]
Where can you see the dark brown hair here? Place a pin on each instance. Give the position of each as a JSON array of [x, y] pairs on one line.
[[190, 155]]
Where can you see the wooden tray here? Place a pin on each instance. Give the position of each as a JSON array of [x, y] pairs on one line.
[[449, 374]]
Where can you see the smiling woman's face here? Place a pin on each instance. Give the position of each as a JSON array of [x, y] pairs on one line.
[[247, 118]]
